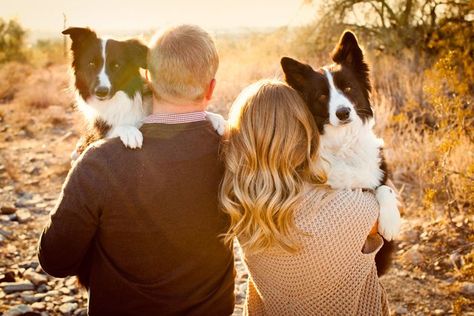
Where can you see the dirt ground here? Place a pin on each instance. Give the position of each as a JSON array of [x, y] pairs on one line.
[[35, 145]]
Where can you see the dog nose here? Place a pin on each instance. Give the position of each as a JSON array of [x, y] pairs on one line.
[[343, 113], [102, 92]]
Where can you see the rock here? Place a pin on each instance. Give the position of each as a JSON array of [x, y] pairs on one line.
[[8, 209], [33, 170], [80, 312], [401, 310], [413, 257], [29, 298], [5, 218], [39, 306], [43, 288], [12, 287], [64, 290], [23, 215], [410, 235], [18, 310], [71, 282], [6, 234], [35, 278], [8, 276], [467, 288], [439, 312], [67, 308], [67, 299]]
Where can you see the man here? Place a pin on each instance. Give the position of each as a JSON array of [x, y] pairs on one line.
[[146, 222]]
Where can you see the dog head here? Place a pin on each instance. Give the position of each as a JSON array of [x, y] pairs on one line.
[[104, 66], [338, 95]]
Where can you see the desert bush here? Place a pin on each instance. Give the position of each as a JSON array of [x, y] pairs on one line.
[[47, 52], [12, 78], [45, 87], [451, 172], [12, 41]]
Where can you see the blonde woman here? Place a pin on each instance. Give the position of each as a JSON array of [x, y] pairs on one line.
[[307, 248]]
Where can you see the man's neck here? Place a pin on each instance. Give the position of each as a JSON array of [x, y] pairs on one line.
[[161, 106]]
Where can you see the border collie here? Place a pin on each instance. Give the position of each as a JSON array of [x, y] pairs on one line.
[[111, 92], [338, 96]]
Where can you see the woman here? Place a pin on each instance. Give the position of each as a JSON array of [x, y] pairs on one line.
[[306, 247]]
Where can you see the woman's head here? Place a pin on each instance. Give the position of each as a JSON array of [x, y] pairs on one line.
[[270, 151]]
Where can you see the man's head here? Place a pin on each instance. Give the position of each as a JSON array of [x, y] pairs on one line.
[[183, 63]]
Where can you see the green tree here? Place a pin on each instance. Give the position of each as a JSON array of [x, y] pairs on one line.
[[12, 41]]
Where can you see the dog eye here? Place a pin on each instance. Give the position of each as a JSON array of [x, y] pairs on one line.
[[347, 89], [116, 65], [323, 98], [92, 64]]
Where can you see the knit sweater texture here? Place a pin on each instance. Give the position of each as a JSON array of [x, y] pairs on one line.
[[334, 272]]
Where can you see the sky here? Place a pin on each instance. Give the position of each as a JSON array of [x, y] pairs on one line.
[[46, 16]]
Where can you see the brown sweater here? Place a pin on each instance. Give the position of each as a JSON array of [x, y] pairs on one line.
[[334, 272], [148, 221]]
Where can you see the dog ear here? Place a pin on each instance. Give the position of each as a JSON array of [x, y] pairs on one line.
[[79, 34], [349, 53], [138, 52], [296, 73]]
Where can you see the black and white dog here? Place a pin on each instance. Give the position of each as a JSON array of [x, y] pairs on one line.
[[111, 92], [338, 96]]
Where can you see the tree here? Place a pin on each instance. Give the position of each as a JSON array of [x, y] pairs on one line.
[[397, 23], [12, 41]]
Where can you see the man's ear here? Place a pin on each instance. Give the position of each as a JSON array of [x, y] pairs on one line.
[[79, 34], [138, 52], [296, 73], [210, 90]]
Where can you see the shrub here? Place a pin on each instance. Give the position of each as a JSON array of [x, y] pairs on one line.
[[12, 41]]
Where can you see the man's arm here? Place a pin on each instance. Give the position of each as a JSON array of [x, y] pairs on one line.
[[75, 219]]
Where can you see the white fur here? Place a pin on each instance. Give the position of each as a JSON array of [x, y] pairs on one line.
[[218, 122], [125, 115], [103, 78], [389, 218], [350, 155], [338, 100]]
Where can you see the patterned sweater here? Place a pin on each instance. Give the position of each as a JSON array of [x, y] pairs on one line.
[[334, 271]]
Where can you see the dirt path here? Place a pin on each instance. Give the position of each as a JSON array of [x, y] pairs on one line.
[[34, 159]]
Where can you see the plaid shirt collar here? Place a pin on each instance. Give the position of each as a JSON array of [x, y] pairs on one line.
[[175, 118]]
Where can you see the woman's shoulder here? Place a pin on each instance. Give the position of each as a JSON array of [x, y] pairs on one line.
[[325, 195], [323, 198]]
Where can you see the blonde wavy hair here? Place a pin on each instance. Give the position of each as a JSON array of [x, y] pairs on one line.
[[269, 153]]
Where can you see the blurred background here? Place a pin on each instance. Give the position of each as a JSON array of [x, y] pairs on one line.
[[421, 54]]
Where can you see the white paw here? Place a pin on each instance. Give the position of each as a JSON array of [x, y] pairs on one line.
[[129, 135], [389, 218], [218, 122], [74, 155]]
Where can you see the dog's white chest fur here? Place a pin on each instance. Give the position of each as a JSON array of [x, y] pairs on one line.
[[350, 156], [119, 110]]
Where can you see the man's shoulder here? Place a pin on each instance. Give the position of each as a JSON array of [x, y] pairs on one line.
[[100, 150]]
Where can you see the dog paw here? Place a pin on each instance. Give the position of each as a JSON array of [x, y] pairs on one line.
[[389, 218], [218, 122], [74, 155], [130, 136]]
